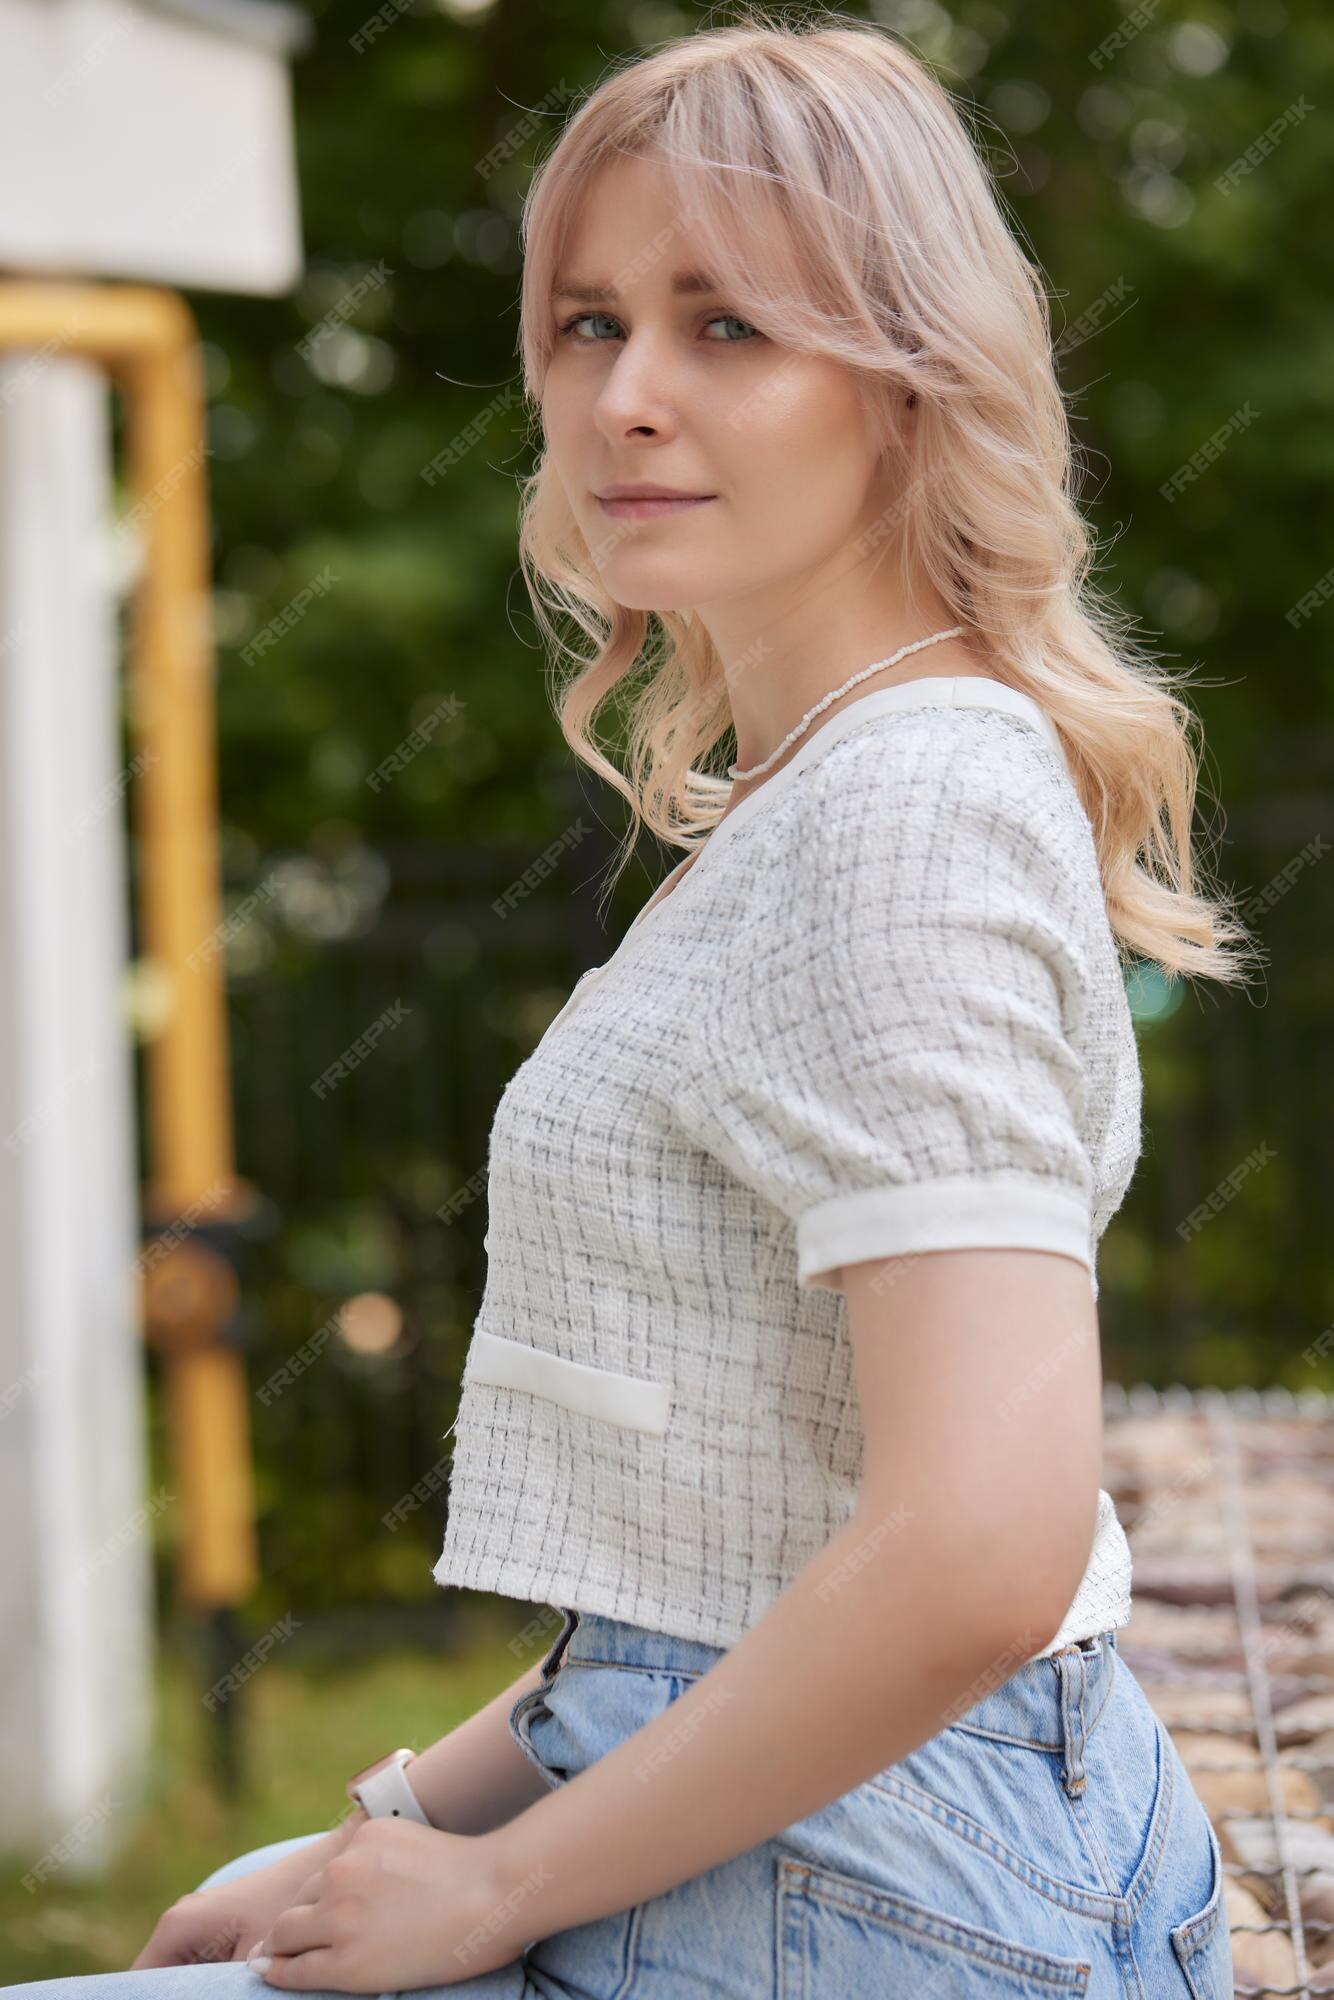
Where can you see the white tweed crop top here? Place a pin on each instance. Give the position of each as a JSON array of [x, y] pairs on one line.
[[881, 1010]]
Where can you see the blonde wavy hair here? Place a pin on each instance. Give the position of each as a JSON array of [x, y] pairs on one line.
[[831, 177]]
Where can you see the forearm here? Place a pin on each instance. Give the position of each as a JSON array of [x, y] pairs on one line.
[[874, 1642], [476, 1778]]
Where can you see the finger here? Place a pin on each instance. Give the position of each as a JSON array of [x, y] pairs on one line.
[[299, 1928], [311, 1889], [179, 1934], [160, 1948], [223, 1948], [316, 1971]]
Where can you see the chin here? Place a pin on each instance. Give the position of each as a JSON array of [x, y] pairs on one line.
[[655, 601], [651, 597]]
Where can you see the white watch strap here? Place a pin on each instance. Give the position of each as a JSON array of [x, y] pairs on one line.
[[388, 1795]]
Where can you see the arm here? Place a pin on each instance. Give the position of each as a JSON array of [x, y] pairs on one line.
[[972, 1530], [471, 1780], [477, 1777]]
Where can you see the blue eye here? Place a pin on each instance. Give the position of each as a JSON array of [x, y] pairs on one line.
[[719, 318], [578, 320], [570, 324]]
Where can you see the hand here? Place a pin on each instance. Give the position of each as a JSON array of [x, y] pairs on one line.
[[219, 1926], [399, 1906]]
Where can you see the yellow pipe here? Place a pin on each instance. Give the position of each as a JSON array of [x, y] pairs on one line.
[[146, 340]]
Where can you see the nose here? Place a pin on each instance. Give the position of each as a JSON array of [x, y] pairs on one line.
[[639, 392]]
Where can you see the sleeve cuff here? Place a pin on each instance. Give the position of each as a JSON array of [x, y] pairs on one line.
[[957, 1214]]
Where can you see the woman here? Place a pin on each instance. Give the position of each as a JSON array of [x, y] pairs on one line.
[[785, 1387]]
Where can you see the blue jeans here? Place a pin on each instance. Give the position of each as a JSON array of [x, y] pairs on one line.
[[1049, 1842]]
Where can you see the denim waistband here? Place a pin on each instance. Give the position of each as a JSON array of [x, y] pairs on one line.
[[1050, 1704], [590, 1637]]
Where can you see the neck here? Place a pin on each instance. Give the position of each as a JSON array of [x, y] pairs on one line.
[[784, 651], [774, 705]]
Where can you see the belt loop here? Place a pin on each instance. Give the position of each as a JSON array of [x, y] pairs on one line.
[[1069, 1663]]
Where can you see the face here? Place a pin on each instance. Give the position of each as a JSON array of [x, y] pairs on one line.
[[663, 385]]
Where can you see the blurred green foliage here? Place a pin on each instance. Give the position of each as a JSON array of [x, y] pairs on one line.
[[308, 1724]]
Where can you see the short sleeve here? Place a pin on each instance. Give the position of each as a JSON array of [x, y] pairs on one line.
[[893, 1057]]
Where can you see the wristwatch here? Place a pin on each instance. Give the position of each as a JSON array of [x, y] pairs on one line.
[[383, 1789]]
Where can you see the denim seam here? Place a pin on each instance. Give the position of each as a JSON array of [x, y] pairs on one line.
[[1076, 1796], [573, 1659], [1123, 1950], [1142, 1881], [1146, 1875], [1004, 1736], [1196, 1933], [823, 1885], [1089, 1841], [626, 1986], [637, 1667], [792, 1914], [1067, 1895]]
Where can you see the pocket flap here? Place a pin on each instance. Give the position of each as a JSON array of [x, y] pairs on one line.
[[632, 1401]]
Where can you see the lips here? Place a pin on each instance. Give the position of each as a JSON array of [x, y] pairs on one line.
[[649, 507]]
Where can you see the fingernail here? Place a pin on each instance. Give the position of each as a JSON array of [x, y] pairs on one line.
[[260, 1964]]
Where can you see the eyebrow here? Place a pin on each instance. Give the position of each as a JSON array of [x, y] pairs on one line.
[[599, 293]]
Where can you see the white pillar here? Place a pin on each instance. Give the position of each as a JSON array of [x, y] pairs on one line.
[[76, 1609]]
